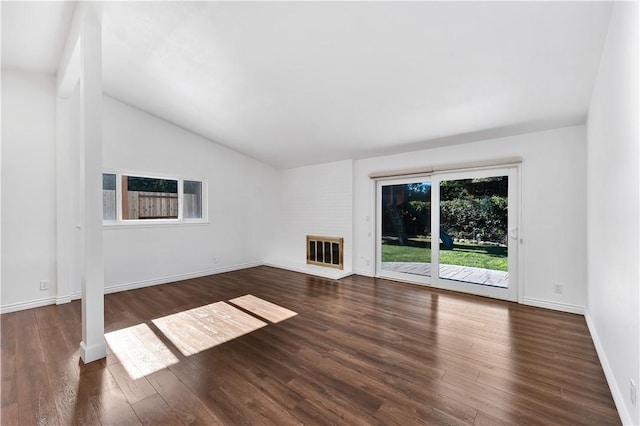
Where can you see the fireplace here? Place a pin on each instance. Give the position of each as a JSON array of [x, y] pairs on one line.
[[325, 251]]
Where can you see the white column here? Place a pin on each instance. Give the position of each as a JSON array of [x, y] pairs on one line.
[[64, 209], [93, 345]]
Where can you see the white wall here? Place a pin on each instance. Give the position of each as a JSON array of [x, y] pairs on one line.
[[613, 209], [28, 187], [243, 199], [314, 200], [242, 202], [553, 174]]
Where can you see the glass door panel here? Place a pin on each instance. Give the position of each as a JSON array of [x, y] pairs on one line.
[[474, 230], [477, 219], [404, 243]]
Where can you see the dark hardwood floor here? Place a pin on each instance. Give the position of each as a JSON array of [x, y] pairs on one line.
[[360, 351]]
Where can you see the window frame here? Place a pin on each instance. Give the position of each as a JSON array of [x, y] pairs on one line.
[[180, 220]]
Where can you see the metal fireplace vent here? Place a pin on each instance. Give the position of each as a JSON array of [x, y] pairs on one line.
[[325, 251]]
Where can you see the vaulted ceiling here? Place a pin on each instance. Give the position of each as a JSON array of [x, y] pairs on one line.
[[297, 83]]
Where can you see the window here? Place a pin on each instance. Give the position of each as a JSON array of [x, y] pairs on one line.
[[109, 197], [149, 198], [133, 198], [192, 199]]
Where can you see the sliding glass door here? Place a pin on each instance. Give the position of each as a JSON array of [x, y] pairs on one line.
[[472, 215], [477, 217]]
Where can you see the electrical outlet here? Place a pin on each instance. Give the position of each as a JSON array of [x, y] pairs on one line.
[[557, 288], [44, 285], [632, 391]]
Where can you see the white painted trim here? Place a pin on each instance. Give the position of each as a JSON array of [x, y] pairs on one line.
[[521, 234], [556, 306], [401, 279], [91, 142], [152, 223], [364, 273], [174, 278], [21, 306], [61, 300], [452, 167], [93, 353], [332, 274], [119, 222], [625, 415]]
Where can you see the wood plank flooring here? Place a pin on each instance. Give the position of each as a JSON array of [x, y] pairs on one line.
[[360, 351]]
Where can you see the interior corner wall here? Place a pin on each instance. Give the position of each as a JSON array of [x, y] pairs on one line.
[[613, 306], [28, 189], [553, 193], [68, 200], [314, 200], [242, 195]]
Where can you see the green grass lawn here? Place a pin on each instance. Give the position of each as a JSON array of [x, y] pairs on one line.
[[463, 254]]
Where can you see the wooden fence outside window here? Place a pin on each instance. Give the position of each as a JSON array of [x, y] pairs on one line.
[[151, 205]]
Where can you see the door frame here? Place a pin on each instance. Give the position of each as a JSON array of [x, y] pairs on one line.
[[515, 252]]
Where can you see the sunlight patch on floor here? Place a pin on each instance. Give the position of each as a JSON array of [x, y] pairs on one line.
[[262, 308], [142, 352], [202, 328], [139, 350]]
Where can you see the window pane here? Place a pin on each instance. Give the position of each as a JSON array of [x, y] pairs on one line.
[[473, 229], [108, 196], [143, 184], [406, 228], [149, 198], [192, 200]]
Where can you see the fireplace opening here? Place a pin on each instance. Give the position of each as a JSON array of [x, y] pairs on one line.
[[325, 251]]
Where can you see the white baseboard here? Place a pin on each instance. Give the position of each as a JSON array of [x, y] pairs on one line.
[[92, 353], [61, 300], [616, 393], [364, 273], [318, 271], [20, 306], [13, 307], [556, 306], [170, 279]]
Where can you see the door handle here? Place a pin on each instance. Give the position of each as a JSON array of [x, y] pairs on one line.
[[513, 233]]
